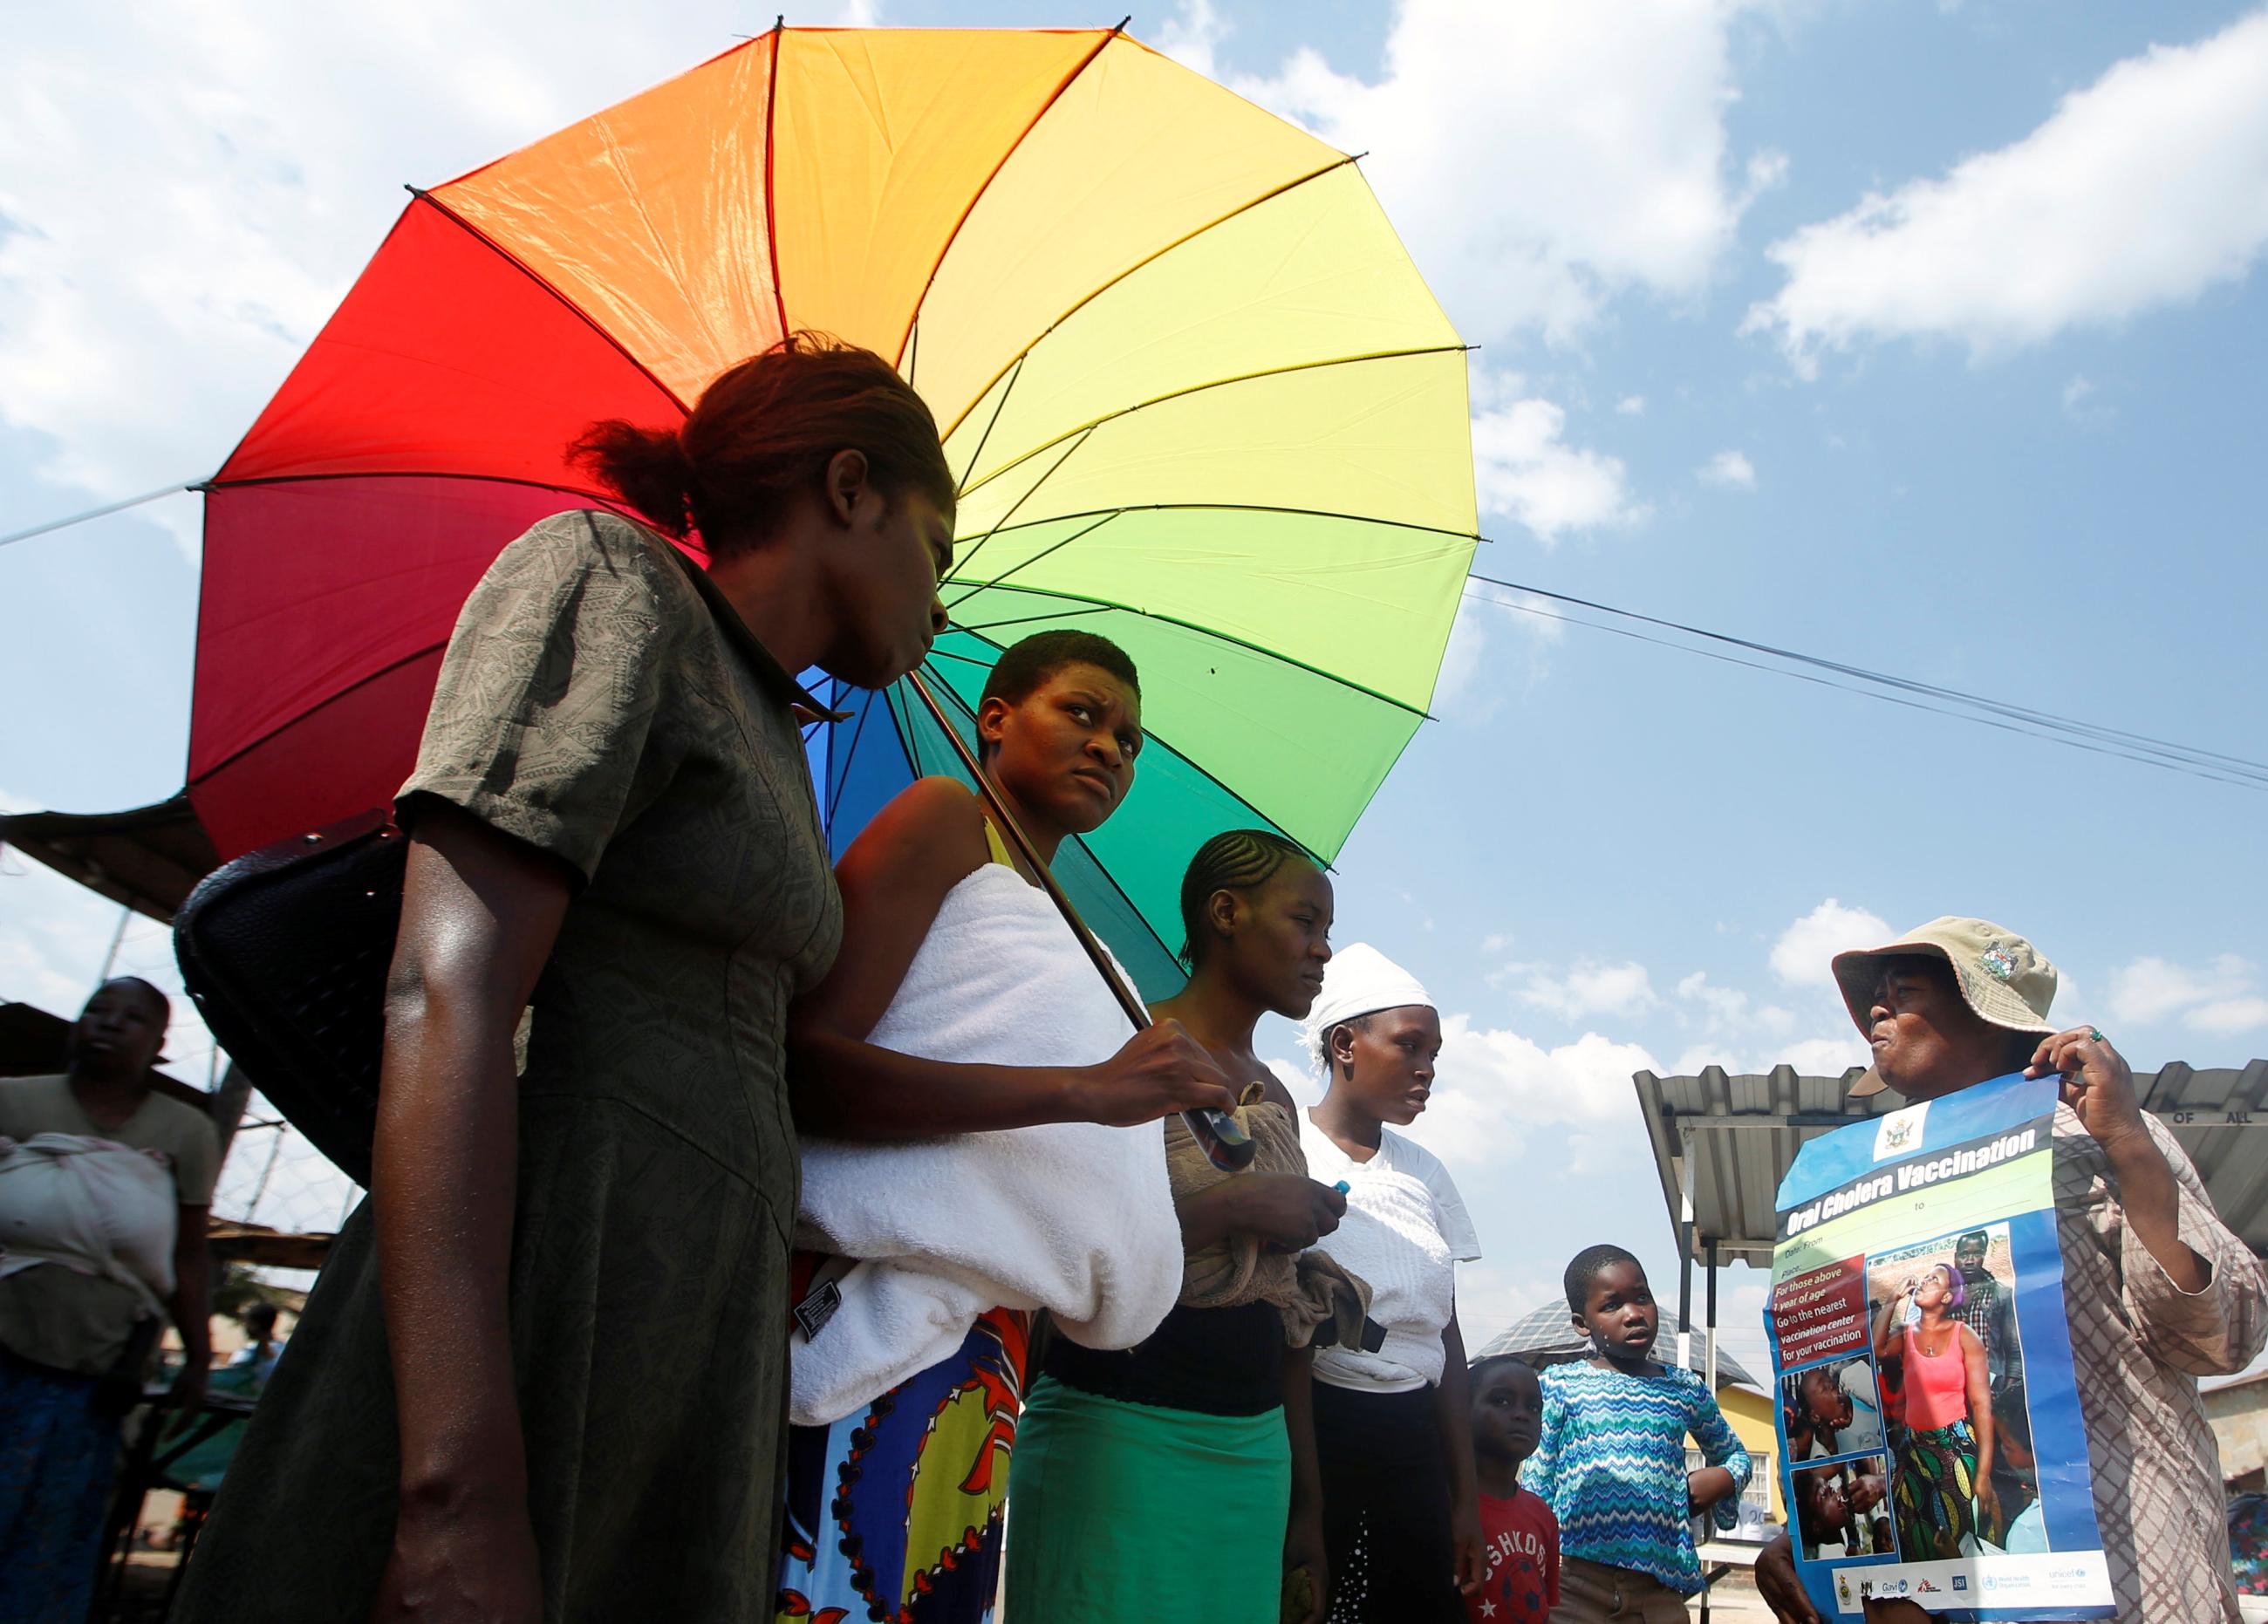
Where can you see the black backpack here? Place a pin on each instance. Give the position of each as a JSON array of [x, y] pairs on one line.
[[286, 951]]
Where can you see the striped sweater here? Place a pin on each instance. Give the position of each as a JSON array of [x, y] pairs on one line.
[[1611, 1465]]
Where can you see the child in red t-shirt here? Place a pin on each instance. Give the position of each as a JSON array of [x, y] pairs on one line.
[[1518, 1530]]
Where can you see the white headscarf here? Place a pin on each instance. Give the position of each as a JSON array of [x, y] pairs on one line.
[[1359, 980]]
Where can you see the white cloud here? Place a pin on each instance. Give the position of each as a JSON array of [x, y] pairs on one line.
[[1478, 676], [1587, 988], [1727, 470], [1828, 1056], [2219, 999], [2143, 189], [1632, 405], [1526, 472], [1538, 160], [1495, 1083], [2082, 405], [1801, 956], [1728, 1010]]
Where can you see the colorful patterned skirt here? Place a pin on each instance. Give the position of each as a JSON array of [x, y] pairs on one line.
[[1935, 1487], [58, 1452], [894, 1513]]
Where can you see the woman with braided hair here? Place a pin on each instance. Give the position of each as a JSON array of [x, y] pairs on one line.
[[1148, 1482]]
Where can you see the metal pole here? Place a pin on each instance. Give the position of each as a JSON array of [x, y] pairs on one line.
[[117, 938], [1684, 1249], [230, 1096], [1223, 1139], [1711, 1328]]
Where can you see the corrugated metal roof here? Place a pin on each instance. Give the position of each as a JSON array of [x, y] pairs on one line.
[[1546, 1335], [1744, 1132]]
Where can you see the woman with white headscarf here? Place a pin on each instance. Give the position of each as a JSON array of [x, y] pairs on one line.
[[1401, 1506]]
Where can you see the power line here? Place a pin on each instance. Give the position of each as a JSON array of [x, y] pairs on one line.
[[2071, 732]]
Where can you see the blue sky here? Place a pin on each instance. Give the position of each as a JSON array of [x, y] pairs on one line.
[[1929, 336]]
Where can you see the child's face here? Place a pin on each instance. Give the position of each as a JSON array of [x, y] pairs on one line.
[[1619, 1313], [1825, 1397], [1507, 1412]]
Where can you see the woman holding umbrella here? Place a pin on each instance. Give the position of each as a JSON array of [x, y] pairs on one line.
[[543, 1374], [992, 1147]]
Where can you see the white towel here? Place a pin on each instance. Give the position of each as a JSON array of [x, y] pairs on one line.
[[90, 1205], [1070, 1217]]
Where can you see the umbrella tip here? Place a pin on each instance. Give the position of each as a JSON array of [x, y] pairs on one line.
[[1120, 28]]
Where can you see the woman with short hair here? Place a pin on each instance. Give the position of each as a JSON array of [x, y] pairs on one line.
[[2159, 1292], [104, 1188]]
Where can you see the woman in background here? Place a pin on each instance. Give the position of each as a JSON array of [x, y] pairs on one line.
[[104, 1187], [1178, 1481], [1393, 1426]]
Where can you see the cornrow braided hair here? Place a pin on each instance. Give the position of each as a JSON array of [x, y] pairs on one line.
[[1585, 1268], [1234, 860]]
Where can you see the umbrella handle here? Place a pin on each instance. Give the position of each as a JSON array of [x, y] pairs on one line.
[[1221, 1135]]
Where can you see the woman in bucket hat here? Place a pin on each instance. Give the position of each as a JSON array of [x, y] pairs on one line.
[[2158, 1291]]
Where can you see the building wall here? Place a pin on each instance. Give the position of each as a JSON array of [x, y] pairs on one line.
[[2239, 1414], [1751, 1416]]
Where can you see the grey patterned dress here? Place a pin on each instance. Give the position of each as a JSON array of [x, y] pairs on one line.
[[2139, 1343], [601, 703]]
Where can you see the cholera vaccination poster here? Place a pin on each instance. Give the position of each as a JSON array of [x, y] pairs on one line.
[[1928, 1422]]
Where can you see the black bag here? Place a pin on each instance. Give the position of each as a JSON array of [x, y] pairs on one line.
[[286, 951]]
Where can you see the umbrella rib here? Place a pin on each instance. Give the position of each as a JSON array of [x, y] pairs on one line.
[[1088, 299], [1026, 497], [771, 216], [613, 503], [913, 316], [1090, 426], [249, 746], [1228, 637], [1033, 559], [525, 269], [835, 789], [1250, 507], [998, 406], [978, 628]]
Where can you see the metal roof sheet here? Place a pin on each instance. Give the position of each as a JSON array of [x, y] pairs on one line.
[[1546, 1335], [1743, 1132]]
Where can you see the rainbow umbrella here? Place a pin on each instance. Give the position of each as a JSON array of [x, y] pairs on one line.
[[1196, 397]]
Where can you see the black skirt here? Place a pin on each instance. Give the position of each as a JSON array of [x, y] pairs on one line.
[[1385, 1508]]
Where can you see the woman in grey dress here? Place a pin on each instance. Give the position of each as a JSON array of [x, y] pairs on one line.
[[542, 1377]]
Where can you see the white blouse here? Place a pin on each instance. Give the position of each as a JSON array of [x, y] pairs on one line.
[[1405, 1230]]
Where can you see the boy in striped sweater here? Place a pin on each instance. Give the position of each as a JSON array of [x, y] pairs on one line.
[[1611, 1460]]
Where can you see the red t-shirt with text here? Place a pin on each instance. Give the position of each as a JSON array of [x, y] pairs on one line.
[[1522, 1540]]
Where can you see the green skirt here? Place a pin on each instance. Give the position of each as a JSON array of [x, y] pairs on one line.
[[1120, 1511]]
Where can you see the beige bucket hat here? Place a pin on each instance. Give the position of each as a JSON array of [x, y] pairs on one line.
[[2002, 977]]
